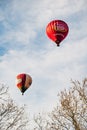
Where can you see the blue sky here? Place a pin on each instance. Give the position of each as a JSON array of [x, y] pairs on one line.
[[25, 48]]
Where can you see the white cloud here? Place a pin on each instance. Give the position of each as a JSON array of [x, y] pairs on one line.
[[51, 72], [31, 51]]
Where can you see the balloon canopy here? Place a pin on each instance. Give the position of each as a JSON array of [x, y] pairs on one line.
[[23, 82], [57, 30]]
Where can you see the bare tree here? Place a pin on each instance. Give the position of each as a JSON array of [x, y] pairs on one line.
[[41, 122], [12, 117], [70, 112]]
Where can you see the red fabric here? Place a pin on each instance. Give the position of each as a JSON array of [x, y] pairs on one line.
[[57, 30]]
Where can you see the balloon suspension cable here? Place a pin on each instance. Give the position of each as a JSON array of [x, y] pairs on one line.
[[58, 43], [22, 93]]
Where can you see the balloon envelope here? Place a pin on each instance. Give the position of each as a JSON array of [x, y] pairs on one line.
[[57, 30], [23, 82]]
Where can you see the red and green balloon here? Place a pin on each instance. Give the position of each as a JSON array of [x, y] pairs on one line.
[[23, 82]]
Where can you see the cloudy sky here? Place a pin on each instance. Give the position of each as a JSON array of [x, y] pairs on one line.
[[25, 48]]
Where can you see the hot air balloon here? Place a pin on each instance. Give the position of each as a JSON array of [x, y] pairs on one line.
[[23, 82], [57, 30]]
